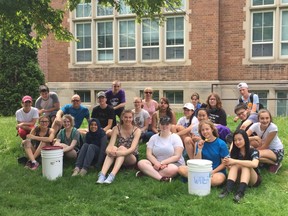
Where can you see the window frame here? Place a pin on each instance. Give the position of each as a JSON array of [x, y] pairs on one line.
[[281, 29], [91, 42], [174, 96], [82, 94], [105, 49]]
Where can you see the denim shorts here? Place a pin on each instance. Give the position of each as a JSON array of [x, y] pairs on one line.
[[279, 154]]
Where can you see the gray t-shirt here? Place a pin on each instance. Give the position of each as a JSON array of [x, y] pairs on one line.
[[47, 104], [139, 118]]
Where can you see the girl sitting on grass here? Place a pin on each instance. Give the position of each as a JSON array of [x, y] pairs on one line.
[[164, 154], [68, 137], [39, 137], [213, 149], [122, 148], [270, 147], [243, 166], [94, 147]]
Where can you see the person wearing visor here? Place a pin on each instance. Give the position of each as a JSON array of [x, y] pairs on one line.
[[163, 153]]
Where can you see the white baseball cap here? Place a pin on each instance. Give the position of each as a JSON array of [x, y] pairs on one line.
[[189, 106], [242, 85]]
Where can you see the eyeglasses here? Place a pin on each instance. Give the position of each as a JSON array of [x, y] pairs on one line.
[[148, 92], [75, 100], [212, 99], [44, 121]]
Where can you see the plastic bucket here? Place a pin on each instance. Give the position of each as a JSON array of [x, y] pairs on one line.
[[199, 176], [52, 162]]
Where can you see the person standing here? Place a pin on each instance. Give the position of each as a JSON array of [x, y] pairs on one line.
[[48, 103], [104, 113], [26, 117], [75, 109], [116, 98]]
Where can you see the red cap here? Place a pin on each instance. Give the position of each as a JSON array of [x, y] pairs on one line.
[[26, 98]]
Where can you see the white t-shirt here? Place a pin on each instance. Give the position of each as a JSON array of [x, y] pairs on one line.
[[163, 148], [185, 122], [21, 116], [276, 142], [139, 118]]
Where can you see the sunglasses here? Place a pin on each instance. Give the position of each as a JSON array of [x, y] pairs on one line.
[[116, 86], [75, 100], [148, 92]]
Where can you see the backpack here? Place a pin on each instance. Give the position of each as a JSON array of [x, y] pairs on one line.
[[251, 100]]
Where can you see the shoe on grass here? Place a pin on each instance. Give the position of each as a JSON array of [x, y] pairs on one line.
[[224, 193], [83, 172], [109, 179], [34, 165], [76, 171], [139, 174], [101, 178], [238, 197], [274, 168], [166, 179], [28, 165]]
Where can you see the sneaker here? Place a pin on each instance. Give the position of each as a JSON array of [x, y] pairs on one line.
[[238, 197], [166, 179], [28, 165], [34, 166], [83, 172], [223, 194], [274, 168], [101, 178], [75, 171], [139, 174], [109, 179]]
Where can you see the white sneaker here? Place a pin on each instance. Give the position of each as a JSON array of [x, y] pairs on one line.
[[109, 179], [101, 178]]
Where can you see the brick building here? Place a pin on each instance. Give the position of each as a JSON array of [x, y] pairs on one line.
[[203, 46]]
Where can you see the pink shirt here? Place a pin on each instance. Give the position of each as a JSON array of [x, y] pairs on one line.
[[151, 109]]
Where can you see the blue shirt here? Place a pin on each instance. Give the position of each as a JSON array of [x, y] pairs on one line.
[[215, 151], [78, 114]]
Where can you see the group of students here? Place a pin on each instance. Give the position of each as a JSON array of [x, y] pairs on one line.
[[202, 133]]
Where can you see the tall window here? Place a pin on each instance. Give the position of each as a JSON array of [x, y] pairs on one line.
[[269, 29], [127, 49], [282, 103], [83, 46], [284, 33], [105, 41], [262, 42], [85, 95], [175, 38], [150, 39]]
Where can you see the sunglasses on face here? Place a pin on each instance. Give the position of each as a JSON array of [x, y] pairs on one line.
[[148, 92], [75, 100]]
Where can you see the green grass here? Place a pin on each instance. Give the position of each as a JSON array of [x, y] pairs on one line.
[[25, 192]]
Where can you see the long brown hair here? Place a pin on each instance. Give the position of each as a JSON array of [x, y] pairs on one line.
[[212, 126], [218, 101]]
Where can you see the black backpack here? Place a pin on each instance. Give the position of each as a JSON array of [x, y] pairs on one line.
[[251, 100]]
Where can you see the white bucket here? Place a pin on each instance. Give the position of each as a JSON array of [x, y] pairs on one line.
[[199, 176], [52, 162]]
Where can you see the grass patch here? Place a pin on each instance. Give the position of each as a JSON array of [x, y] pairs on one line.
[[24, 192]]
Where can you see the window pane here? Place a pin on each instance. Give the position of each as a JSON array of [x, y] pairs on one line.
[[83, 56], [83, 45], [83, 9], [105, 41], [174, 97], [127, 54], [282, 103], [175, 53], [257, 34], [268, 34], [124, 9], [284, 35], [104, 11], [284, 1], [150, 53], [262, 2], [262, 50], [84, 95], [284, 49]]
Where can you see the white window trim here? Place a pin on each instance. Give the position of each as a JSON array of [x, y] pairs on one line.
[[273, 39], [84, 17], [113, 47], [75, 45], [136, 42], [184, 42], [280, 39]]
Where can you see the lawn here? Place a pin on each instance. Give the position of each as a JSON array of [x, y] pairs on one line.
[[25, 192]]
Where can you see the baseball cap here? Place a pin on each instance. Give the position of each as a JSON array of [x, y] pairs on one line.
[[242, 85], [26, 98], [43, 88], [101, 94], [165, 120], [189, 106]]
